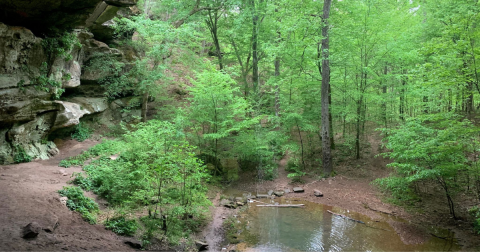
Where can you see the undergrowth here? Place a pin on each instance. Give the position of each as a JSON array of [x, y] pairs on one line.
[[475, 213], [120, 225], [81, 132], [156, 168], [78, 202], [21, 156]]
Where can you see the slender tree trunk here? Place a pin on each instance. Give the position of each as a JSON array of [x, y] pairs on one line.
[[277, 87], [469, 108], [212, 22], [344, 102], [425, 105], [277, 74], [326, 146], [301, 144], [469, 92], [384, 92], [357, 127], [144, 106], [402, 96], [254, 47]]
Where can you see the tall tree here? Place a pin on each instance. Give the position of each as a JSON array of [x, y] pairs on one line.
[[326, 147]]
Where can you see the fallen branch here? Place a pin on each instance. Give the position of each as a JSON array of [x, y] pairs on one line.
[[376, 210], [440, 237], [361, 222], [286, 205], [345, 217], [256, 201]]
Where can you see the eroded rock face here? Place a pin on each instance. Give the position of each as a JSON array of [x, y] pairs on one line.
[[19, 48], [28, 113], [31, 137], [71, 112], [40, 15]]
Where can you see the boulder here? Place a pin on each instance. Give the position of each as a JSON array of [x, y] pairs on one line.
[[31, 230], [227, 203], [287, 190], [63, 200], [201, 246], [298, 190], [317, 193], [31, 136], [134, 243], [270, 192], [279, 193], [75, 71], [69, 115], [262, 196], [71, 112]]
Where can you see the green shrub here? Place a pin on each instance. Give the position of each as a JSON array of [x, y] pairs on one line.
[[81, 132], [401, 192], [83, 182], [475, 213], [78, 202], [122, 226], [155, 162], [70, 162], [434, 147], [292, 165], [21, 156]]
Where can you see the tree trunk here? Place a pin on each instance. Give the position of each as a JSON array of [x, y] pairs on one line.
[[254, 47], [277, 87], [144, 106], [212, 22], [326, 146], [402, 96], [384, 103], [332, 142]]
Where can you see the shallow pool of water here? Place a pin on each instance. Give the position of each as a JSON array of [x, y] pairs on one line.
[[313, 228]]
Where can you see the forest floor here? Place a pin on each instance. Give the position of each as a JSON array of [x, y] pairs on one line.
[[28, 193]]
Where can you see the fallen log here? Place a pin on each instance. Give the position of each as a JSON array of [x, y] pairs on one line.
[[376, 210], [361, 222], [252, 200], [345, 217], [284, 205]]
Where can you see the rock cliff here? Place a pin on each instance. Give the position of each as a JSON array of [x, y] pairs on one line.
[[31, 108]]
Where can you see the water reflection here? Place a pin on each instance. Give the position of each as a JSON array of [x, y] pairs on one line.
[[312, 228]]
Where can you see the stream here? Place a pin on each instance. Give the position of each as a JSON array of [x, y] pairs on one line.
[[313, 228]]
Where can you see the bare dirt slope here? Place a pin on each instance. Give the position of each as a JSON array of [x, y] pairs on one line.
[[28, 193]]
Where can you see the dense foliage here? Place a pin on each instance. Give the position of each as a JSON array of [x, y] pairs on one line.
[[247, 77], [156, 168], [77, 201]]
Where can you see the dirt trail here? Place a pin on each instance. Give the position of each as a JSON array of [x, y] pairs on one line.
[[213, 233], [29, 194]]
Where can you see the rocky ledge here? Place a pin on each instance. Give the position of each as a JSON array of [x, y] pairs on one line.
[[29, 113]]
